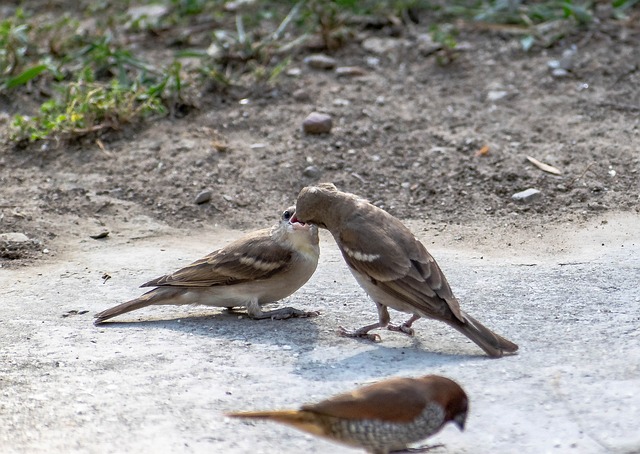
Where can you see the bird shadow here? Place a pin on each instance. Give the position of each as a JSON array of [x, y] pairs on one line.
[[322, 355], [231, 325], [373, 360]]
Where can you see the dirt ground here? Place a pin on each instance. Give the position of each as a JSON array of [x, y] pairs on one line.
[[558, 274], [406, 136]]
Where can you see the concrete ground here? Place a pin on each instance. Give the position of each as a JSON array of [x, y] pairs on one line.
[[160, 380]]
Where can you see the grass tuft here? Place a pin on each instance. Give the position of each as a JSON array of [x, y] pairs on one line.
[[109, 64]]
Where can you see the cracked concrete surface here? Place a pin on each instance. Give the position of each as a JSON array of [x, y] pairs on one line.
[[160, 379]]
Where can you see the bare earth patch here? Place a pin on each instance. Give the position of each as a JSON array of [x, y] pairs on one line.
[[442, 144]]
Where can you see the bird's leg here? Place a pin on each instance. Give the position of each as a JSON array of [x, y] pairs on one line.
[[383, 320], [405, 327], [256, 313]]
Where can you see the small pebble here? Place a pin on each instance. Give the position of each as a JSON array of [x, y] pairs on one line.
[[236, 5], [426, 45], [350, 71], [373, 62], [317, 123], [301, 94], [496, 95], [340, 102], [203, 197], [562, 66], [294, 72], [312, 172], [320, 61], [146, 15], [559, 72], [528, 195], [100, 235], [567, 60], [14, 237]]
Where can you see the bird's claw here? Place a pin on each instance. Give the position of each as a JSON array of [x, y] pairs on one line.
[[311, 314], [359, 334], [402, 329]]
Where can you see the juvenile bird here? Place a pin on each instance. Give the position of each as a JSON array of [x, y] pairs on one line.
[[391, 265], [262, 267], [380, 418]]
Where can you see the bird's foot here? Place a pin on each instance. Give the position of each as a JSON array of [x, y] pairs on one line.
[[360, 334], [285, 313], [418, 449], [402, 329]]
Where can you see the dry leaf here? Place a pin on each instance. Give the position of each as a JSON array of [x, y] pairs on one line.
[[544, 167], [220, 145], [483, 151]]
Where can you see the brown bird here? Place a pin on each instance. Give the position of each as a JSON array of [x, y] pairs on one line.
[[391, 265], [259, 268], [380, 418]]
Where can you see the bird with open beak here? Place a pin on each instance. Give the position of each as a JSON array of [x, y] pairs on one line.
[[391, 265], [380, 418], [262, 267]]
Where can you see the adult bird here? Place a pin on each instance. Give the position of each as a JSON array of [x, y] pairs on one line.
[[391, 265], [381, 418]]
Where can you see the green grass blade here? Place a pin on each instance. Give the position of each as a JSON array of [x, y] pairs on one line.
[[25, 76]]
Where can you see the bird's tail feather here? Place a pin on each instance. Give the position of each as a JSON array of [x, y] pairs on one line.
[[144, 300], [300, 419], [493, 344]]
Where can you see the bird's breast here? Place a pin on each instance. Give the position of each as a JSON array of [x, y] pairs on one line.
[[379, 435]]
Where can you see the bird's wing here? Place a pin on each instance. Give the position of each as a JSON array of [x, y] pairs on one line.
[[395, 261], [254, 257], [392, 400]]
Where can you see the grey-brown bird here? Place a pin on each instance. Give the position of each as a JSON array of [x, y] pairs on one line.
[[380, 418], [262, 267], [391, 265]]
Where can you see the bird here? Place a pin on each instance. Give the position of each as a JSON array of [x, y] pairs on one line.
[[380, 418], [391, 265], [261, 267]]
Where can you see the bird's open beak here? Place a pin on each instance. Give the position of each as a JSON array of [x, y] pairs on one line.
[[298, 224]]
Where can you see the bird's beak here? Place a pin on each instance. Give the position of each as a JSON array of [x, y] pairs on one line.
[[297, 224], [460, 420]]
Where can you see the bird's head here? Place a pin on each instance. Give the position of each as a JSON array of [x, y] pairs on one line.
[[294, 225], [449, 396], [322, 205]]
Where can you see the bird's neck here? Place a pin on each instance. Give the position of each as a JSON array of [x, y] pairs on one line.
[[339, 211]]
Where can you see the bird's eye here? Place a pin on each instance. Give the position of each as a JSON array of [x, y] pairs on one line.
[[287, 215]]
